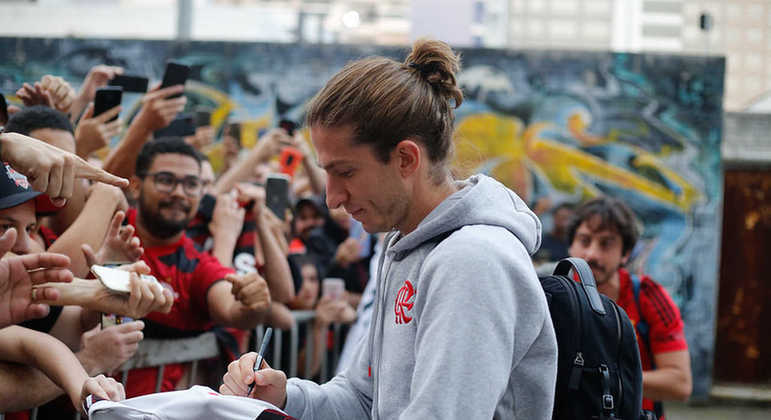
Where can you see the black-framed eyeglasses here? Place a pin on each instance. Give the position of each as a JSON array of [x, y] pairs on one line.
[[166, 182]]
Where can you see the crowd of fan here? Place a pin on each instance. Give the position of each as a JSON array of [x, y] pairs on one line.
[[226, 261]]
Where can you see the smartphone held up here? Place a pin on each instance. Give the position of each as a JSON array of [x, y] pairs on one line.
[[107, 98], [333, 288], [277, 194], [136, 84], [289, 160], [175, 74]]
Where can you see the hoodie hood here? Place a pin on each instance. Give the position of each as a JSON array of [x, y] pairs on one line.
[[479, 200]]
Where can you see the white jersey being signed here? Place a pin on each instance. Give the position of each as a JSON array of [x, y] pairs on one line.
[[198, 402]]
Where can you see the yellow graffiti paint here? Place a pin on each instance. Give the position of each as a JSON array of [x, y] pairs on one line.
[[509, 151], [224, 105]]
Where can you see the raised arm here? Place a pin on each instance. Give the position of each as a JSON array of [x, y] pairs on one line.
[[267, 147], [317, 178], [51, 91], [277, 272], [97, 77], [243, 301], [225, 227], [158, 110], [91, 226], [22, 345], [94, 133], [144, 296], [14, 377]]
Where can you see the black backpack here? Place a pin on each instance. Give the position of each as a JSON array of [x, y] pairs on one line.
[[599, 374]]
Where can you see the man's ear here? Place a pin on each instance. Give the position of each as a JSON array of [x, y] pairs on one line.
[[625, 258], [409, 156]]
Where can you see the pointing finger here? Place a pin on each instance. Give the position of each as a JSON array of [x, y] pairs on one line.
[[84, 169]]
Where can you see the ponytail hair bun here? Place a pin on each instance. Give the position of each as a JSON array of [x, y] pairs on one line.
[[436, 63]]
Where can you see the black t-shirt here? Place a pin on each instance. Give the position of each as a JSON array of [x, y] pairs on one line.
[[44, 324]]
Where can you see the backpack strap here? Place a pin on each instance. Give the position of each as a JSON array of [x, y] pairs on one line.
[[642, 325], [587, 280], [607, 403]]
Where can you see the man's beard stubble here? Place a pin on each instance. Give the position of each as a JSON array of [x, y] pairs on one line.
[[157, 224], [602, 275]]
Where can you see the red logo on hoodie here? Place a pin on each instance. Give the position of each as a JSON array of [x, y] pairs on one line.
[[404, 302]]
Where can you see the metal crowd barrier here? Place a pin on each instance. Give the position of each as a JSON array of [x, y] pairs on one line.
[[159, 353], [290, 366]]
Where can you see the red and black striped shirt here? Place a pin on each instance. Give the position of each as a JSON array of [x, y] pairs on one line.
[[662, 315], [189, 273]]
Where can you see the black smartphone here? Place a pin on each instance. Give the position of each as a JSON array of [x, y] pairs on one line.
[[202, 118], [206, 206], [175, 74], [130, 83], [288, 125], [107, 98], [277, 194], [182, 126]]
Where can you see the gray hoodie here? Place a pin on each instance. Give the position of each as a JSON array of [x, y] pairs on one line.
[[461, 329]]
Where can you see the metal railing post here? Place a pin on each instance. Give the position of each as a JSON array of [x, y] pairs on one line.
[[293, 349], [277, 349], [159, 378]]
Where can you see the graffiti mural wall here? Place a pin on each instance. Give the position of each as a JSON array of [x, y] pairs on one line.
[[558, 127]]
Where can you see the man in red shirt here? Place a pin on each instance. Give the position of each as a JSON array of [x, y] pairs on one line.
[[168, 185], [603, 232]]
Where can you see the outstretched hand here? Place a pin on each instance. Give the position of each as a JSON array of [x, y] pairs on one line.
[[119, 246], [106, 349], [50, 91], [227, 217], [97, 77], [159, 109], [275, 140], [94, 133], [17, 276], [144, 295]]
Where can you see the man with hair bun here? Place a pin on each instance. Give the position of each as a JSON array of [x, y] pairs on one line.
[[461, 328]]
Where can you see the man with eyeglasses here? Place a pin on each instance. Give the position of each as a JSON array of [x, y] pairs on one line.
[[168, 186]]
